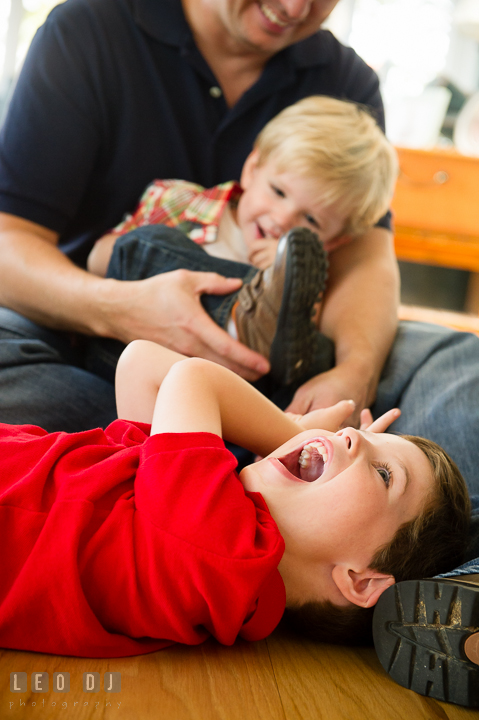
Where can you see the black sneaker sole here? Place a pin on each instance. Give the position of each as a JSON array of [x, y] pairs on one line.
[[420, 628], [293, 346]]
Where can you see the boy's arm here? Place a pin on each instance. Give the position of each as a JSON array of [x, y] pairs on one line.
[[360, 315], [178, 394], [195, 395]]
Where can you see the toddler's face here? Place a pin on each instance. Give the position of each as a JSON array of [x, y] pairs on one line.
[[274, 202], [337, 495]]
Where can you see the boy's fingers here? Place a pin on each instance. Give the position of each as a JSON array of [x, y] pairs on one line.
[[341, 411], [330, 418], [384, 421], [365, 419], [294, 416]]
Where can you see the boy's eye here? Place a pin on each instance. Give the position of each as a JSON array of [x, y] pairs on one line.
[[385, 473], [312, 221], [277, 191]]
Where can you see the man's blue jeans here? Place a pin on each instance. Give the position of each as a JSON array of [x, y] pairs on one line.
[[432, 374]]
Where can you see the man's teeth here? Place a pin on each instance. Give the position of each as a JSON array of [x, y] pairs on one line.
[[309, 449], [271, 15]]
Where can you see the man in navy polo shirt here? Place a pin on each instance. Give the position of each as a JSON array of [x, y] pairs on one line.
[[117, 92], [113, 94]]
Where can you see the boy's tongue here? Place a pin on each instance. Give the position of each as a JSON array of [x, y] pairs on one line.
[[304, 463]]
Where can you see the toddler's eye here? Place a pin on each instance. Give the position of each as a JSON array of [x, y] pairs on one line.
[[277, 191], [385, 473], [311, 220]]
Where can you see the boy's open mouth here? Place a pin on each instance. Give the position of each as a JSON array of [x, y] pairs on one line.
[[260, 231], [308, 462]]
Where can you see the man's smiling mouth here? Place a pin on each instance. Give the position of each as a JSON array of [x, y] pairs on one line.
[[308, 462], [271, 15]]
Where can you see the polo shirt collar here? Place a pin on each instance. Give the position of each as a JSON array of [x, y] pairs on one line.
[[165, 21], [313, 51]]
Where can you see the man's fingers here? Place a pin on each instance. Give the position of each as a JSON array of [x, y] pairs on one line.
[[212, 342], [214, 284], [218, 346], [185, 326]]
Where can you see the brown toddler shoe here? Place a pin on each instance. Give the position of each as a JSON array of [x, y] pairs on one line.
[[273, 312], [426, 636]]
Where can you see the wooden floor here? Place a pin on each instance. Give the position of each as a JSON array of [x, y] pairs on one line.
[[281, 678]]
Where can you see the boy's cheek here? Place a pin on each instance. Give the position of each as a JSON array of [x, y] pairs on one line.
[[337, 242], [249, 478], [262, 252]]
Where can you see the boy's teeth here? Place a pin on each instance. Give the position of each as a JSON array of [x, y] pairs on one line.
[[307, 451]]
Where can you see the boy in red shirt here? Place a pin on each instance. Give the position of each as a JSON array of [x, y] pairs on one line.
[[123, 541]]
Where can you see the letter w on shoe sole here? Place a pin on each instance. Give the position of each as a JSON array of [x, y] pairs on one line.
[[426, 637]]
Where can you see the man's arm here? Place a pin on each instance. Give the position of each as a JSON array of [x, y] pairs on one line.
[[40, 282], [360, 315]]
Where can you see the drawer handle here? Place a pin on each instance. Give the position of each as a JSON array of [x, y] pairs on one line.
[[439, 178]]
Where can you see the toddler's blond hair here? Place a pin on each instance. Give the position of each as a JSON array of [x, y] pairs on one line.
[[341, 145]]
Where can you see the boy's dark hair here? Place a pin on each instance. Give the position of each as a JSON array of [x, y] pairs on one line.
[[432, 543]]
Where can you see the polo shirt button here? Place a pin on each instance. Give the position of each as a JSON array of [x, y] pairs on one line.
[[215, 91]]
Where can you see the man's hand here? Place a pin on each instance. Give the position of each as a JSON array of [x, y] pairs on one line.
[[340, 383], [41, 283], [166, 309], [262, 252]]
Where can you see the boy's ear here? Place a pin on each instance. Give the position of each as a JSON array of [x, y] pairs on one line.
[[250, 165], [361, 588]]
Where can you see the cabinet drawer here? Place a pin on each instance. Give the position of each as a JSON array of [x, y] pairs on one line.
[[437, 191]]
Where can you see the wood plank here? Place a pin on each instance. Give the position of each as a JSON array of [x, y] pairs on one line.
[[437, 190], [435, 248], [282, 678], [207, 682], [325, 682]]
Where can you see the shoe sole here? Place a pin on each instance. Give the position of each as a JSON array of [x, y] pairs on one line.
[[306, 274], [422, 630]]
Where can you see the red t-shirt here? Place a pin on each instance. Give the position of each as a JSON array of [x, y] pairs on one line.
[[114, 543]]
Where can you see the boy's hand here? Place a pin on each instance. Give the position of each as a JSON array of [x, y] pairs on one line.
[[334, 417], [382, 423], [331, 418], [262, 252]]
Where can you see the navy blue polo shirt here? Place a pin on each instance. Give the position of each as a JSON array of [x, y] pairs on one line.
[[114, 93]]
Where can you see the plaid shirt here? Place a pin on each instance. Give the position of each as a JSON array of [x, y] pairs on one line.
[[174, 202]]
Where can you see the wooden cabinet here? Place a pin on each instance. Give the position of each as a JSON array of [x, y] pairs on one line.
[[436, 212]]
